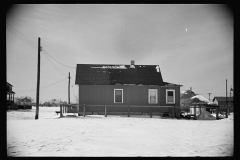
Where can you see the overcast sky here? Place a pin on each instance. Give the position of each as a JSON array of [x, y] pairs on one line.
[[192, 44]]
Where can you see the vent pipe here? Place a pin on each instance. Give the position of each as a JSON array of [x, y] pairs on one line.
[[132, 64]]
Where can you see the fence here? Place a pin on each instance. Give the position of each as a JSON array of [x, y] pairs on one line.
[[116, 109]]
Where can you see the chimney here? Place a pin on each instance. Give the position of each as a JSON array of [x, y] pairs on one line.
[[132, 64], [190, 88]]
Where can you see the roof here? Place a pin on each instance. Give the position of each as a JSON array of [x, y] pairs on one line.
[[223, 99], [199, 99], [10, 92], [107, 74], [8, 84], [187, 94]]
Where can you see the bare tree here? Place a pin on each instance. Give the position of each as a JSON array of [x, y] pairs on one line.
[[76, 99]]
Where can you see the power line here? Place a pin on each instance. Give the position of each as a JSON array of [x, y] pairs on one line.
[[31, 90], [30, 42], [21, 36], [9, 26], [56, 60], [54, 66], [22, 39]]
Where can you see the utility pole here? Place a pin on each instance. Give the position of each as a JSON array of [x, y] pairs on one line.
[[230, 91], [38, 79], [226, 101], [69, 89], [230, 100], [209, 96]]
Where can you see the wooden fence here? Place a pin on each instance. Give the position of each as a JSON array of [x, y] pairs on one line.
[[83, 109]]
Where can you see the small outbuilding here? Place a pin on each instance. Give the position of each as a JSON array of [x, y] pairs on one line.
[[222, 102]]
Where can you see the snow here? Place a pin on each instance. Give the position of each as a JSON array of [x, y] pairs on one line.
[[184, 92], [115, 135], [201, 98]]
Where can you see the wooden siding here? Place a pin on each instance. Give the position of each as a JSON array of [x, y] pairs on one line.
[[132, 95]]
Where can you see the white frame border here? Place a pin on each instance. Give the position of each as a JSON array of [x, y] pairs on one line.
[[149, 96], [173, 96], [114, 95]]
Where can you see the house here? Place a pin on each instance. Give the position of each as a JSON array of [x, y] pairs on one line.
[[10, 96], [120, 86], [185, 98], [221, 102]]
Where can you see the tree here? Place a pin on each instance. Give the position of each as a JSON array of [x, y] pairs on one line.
[[23, 100], [76, 99]]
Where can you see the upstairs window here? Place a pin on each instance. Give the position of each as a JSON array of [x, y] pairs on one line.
[[118, 95], [170, 96], [152, 96]]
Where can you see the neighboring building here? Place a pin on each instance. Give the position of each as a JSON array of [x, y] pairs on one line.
[[185, 98], [198, 100], [139, 85], [221, 102], [10, 94]]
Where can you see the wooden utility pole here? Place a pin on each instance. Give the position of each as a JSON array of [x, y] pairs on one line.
[[69, 89], [226, 101], [38, 79]]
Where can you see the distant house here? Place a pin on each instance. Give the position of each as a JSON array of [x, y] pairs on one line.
[[186, 97], [10, 94], [221, 102], [124, 85]]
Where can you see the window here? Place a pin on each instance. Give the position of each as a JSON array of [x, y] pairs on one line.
[[118, 95], [170, 96], [152, 96]]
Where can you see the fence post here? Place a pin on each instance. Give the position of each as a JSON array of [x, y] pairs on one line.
[[150, 112], [172, 111], [84, 110], [105, 111], [61, 111], [78, 109], [217, 110], [128, 111]]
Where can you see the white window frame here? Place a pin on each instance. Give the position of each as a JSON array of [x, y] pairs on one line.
[[173, 96], [149, 101], [115, 96]]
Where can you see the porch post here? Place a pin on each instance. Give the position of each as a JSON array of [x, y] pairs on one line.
[[128, 111]]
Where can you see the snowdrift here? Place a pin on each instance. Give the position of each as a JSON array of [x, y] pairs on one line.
[[205, 115]]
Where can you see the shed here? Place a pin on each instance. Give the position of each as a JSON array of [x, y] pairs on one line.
[[221, 102], [139, 86]]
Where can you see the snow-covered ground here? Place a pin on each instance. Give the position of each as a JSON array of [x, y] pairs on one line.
[[115, 135]]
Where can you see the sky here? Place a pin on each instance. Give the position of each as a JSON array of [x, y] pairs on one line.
[[192, 44]]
